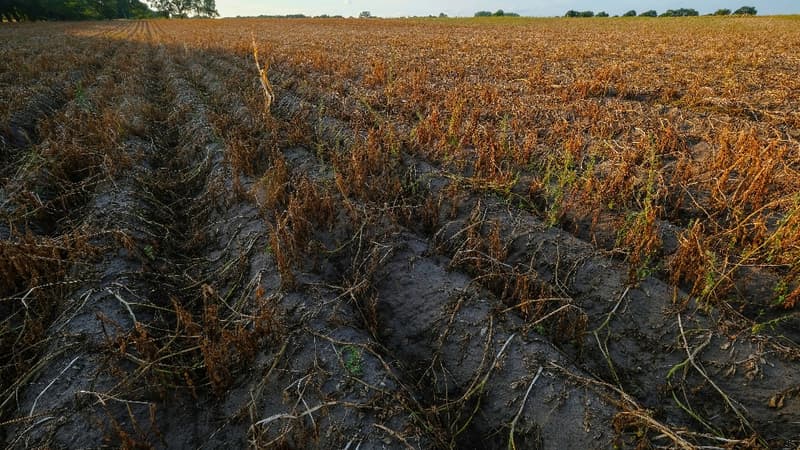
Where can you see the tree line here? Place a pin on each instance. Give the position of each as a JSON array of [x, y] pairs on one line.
[[682, 12], [185, 8], [20, 10], [498, 13], [23, 10]]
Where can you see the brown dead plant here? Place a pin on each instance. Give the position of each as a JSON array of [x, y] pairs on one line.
[[269, 95]]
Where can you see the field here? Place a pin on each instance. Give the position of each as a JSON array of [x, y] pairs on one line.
[[484, 233]]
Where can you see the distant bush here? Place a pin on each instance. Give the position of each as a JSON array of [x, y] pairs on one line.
[[746, 11], [498, 13], [631, 13], [602, 14], [682, 12], [722, 12], [573, 13], [650, 13]]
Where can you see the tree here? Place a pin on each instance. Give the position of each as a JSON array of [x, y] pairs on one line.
[[573, 13], [682, 12], [602, 14], [442, 15], [483, 14], [182, 8], [499, 13], [722, 12], [649, 13], [208, 9], [746, 11], [165, 7], [19, 10], [631, 13]]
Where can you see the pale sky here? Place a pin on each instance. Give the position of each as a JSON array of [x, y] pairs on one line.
[[386, 8]]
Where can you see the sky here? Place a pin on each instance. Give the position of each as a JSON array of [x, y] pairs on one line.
[[395, 8]]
